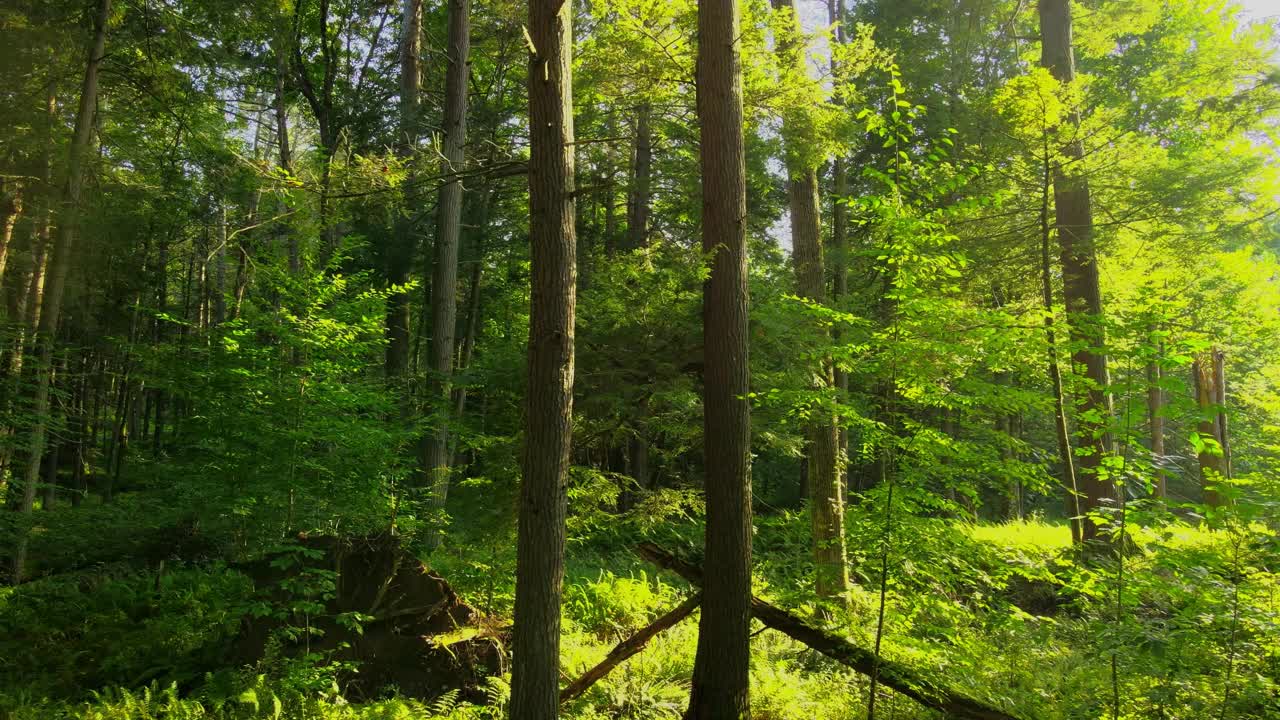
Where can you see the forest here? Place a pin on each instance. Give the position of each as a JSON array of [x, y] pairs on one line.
[[640, 359]]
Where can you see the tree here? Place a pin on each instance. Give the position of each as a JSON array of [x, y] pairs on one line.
[[535, 671], [444, 279], [722, 665], [59, 264], [403, 244], [638, 193], [1073, 220], [826, 488], [1211, 442]]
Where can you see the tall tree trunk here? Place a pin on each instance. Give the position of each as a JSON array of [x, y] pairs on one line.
[[292, 249], [1066, 457], [638, 195], [839, 239], [1155, 418], [220, 268], [1220, 387], [466, 349], [33, 294], [1081, 287], [1213, 455], [404, 243], [535, 671], [721, 668], [826, 497], [60, 263], [444, 277], [243, 244], [10, 211]]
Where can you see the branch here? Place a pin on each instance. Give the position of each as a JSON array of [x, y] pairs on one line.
[[927, 691], [629, 647]]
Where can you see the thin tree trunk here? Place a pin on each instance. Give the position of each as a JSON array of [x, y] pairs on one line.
[[444, 278], [32, 297], [1155, 418], [59, 265], [1212, 460], [472, 332], [1065, 456], [839, 243], [1081, 288], [638, 198], [826, 506], [243, 244], [1220, 387], [404, 242], [50, 477], [549, 394], [721, 667], [292, 250], [10, 211], [220, 268]]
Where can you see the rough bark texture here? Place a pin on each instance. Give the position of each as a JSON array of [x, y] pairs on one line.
[[826, 497], [1081, 288], [915, 685], [10, 210], [59, 264], [630, 647], [1062, 432], [417, 634], [403, 243], [1212, 460], [720, 671], [638, 197], [444, 279], [535, 691]]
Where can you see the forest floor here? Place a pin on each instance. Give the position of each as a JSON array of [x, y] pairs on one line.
[[1003, 612]]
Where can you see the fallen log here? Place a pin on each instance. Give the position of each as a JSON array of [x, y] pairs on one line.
[[629, 647], [926, 691]]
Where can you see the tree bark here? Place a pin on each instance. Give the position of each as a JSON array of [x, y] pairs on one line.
[[243, 244], [721, 667], [1081, 288], [1062, 432], [549, 393], [59, 265], [10, 211], [1212, 458], [639, 194], [292, 249], [444, 278], [404, 241], [31, 297], [826, 498]]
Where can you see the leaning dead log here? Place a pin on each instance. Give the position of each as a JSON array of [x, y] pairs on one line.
[[629, 647], [924, 690], [370, 602]]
